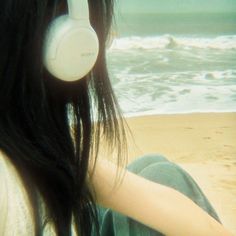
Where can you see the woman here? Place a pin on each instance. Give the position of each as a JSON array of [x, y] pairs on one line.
[[52, 161]]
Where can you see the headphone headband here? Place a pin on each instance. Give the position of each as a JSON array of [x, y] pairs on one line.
[[78, 9]]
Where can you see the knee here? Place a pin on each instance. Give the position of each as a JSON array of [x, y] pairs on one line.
[[166, 173], [144, 161], [172, 175]]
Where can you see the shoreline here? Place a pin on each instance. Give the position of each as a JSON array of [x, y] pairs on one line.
[[201, 143], [143, 114]]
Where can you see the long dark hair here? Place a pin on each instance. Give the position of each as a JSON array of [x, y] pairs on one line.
[[38, 113]]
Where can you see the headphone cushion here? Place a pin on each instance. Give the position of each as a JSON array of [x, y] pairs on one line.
[[71, 48]]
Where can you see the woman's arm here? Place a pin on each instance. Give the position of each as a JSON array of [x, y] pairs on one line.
[[155, 205]]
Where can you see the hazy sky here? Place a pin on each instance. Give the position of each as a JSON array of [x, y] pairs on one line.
[[171, 6]]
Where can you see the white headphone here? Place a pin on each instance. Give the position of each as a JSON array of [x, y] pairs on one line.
[[71, 46]]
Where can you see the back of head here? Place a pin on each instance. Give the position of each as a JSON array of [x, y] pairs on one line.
[[37, 110]]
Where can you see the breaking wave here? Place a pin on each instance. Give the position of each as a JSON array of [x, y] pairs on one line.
[[169, 41]]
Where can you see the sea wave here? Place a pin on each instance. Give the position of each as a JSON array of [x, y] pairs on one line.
[[227, 42]]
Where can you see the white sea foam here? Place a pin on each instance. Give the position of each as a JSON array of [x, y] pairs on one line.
[[186, 99], [143, 94], [168, 41]]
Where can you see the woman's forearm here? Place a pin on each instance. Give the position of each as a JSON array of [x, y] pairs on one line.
[[157, 206]]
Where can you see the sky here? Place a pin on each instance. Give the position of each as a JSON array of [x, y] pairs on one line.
[[176, 6]]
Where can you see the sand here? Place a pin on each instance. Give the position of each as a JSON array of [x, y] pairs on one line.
[[203, 144]]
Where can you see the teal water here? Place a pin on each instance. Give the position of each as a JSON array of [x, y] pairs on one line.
[[210, 24]]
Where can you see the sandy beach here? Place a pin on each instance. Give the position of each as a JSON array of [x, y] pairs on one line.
[[203, 144]]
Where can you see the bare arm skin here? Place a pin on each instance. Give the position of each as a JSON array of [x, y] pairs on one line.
[[157, 206]]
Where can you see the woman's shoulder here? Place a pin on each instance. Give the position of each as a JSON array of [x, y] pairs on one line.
[[2, 176], [14, 204], [3, 196]]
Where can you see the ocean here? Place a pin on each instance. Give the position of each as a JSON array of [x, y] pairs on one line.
[[174, 63]]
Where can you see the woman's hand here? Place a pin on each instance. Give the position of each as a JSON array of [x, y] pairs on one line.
[[157, 206]]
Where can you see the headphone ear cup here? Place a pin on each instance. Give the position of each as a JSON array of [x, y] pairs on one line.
[[71, 48]]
